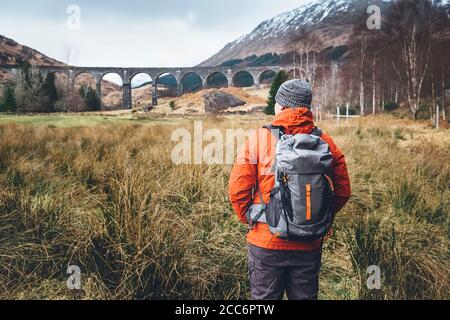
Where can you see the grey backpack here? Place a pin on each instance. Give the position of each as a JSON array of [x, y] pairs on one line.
[[300, 203]]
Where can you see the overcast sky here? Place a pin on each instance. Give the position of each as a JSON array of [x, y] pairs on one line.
[[134, 32]]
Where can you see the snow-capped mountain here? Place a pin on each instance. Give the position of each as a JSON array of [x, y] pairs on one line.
[[329, 22]]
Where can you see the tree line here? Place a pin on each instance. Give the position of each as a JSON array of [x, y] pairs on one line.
[[30, 92]]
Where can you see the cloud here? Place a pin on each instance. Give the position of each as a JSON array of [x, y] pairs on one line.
[[169, 42], [136, 32]]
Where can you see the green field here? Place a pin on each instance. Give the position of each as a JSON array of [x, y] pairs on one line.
[[66, 121]]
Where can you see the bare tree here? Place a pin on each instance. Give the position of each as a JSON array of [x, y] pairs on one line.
[[376, 47], [29, 90], [439, 68], [374, 84], [414, 41], [348, 85], [443, 102], [323, 90], [361, 75], [69, 55], [304, 46]]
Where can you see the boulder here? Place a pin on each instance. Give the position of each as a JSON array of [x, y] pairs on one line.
[[256, 109], [218, 101]]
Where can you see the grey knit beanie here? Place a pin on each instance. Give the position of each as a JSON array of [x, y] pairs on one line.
[[294, 94]]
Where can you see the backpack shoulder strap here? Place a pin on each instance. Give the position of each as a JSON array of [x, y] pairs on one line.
[[317, 132], [272, 129]]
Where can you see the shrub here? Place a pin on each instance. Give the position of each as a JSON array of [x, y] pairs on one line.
[[72, 102], [391, 106], [51, 92], [8, 101], [91, 99], [351, 112]]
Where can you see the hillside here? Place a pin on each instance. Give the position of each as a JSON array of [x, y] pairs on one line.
[[12, 52], [321, 25]]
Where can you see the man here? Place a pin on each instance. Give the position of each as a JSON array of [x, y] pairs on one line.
[[278, 266]]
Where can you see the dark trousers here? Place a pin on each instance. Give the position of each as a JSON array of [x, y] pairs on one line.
[[274, 273]]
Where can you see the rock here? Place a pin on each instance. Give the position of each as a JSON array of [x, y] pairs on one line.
[[217, 101], [253, 110], [256, 109], [190, 110]]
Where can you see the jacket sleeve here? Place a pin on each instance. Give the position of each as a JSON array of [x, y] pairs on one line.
[[340, 176], [243, 179]]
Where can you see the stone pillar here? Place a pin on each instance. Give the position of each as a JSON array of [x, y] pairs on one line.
[[99, 92], [204, 83], [71, 80], [126, 95], [179, 89], [230, 78], [257, 83], [155, 94], [256, 80], [179, 77]]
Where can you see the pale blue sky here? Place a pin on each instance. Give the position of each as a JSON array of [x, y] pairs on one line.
[[136, 32]]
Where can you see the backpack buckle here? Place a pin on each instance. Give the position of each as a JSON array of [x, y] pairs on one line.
[[284, 179]]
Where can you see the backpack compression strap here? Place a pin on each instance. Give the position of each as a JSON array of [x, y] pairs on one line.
[[274, 131], [254, 221]]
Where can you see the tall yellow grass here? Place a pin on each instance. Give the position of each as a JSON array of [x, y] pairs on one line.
[[110, 200]]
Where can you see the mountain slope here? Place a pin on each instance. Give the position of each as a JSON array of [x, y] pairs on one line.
[[320, 24], [12, 52]]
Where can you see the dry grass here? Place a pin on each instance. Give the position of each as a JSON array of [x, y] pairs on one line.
[[109, 199]]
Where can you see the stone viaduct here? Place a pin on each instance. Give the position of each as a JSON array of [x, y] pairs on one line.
[[127, 74]]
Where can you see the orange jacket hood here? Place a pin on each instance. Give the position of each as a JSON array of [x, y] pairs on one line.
[[295, 120]]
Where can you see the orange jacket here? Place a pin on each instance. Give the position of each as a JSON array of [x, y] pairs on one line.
[[253, 167]]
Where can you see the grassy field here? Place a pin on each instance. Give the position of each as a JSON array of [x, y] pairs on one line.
[[65, 121], [109, 199]]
